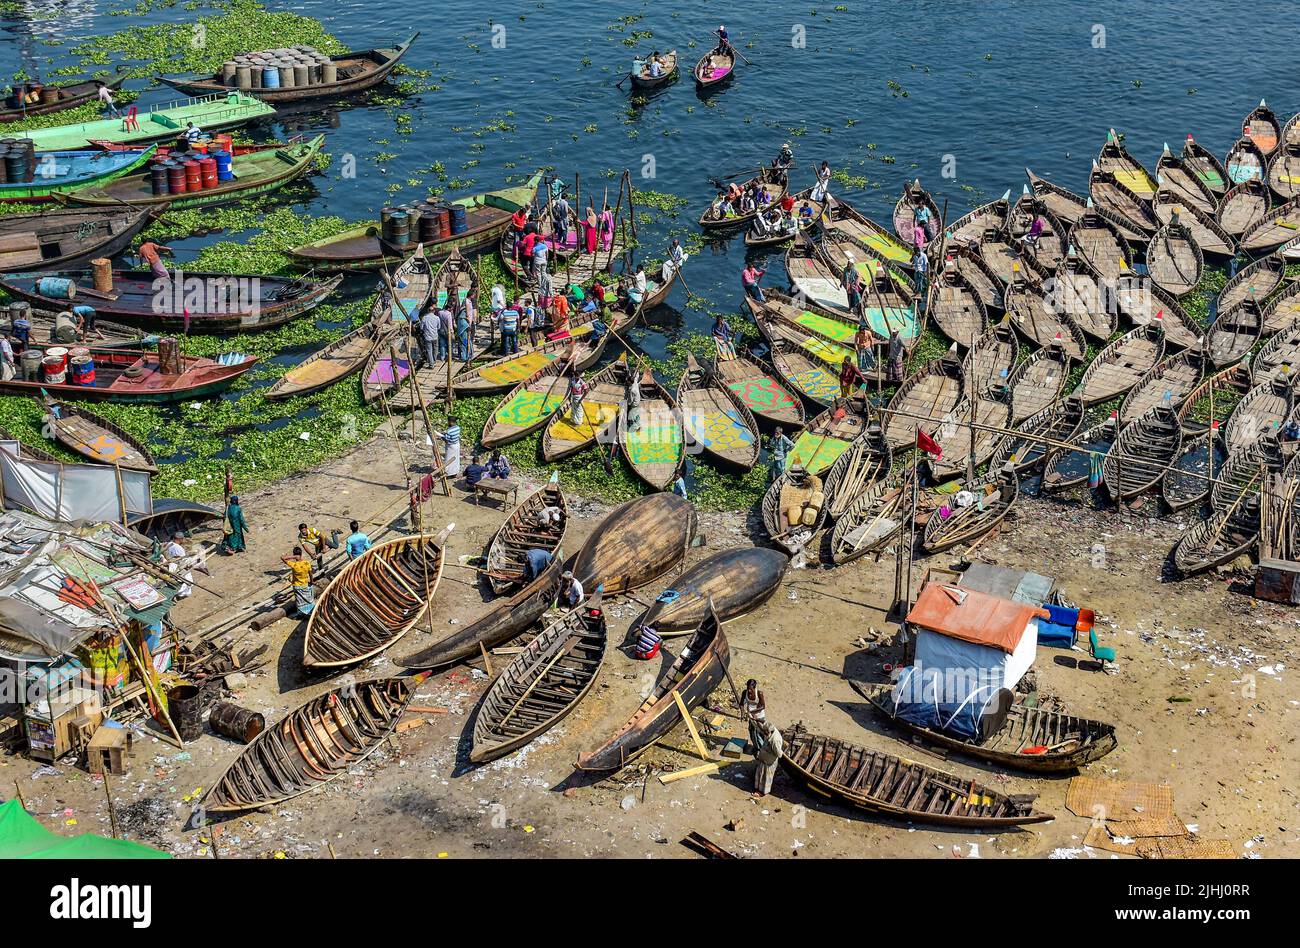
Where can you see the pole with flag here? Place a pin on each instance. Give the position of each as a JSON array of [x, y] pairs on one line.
[[931, 447]]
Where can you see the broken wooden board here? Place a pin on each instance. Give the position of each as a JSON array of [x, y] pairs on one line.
[[690, 772]]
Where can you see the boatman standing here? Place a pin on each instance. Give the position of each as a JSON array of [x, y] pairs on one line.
[[149, 253], [766, 756], [304, 596], [105, 96]]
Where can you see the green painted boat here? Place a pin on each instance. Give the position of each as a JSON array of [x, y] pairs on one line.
[[211, 113], [488, 217], [255, 173], [59, 173]]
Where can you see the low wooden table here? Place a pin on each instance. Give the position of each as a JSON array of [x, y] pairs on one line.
[[498, 489]]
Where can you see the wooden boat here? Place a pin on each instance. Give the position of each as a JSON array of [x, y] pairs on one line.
[[655, 444], [97, 439], [991, 359], [805, 363], [542, 684], [580, 351], [1206, 166], [736, 581], [1028, 446], [1187, 482], [1279, 225], [502, 622], [1069, 207], [836, 327], [1213, 240], [1141, 453], [60, 173], [172, 515], [316, 742], [813, 277], [1246, 162], [888, 303], [793, 509], [995, 498], [528, 406], [915, 197], [1282, 311], [1026, 738], [487, 217], [1121, 365], [970, 431], [893, 787], [26, 450], [762, 392], [701, 667], [1174, 259], [1032, 314], [841, 217], [59, 97], [766, 178], [1234, 333], [201, 302], [374, 600], [1143, 302], [1114, 159], [1079, 292], [524, 530], [638, 542], [1173, 174], [1243, 207], [1111, 194], [923, 399], [791, 226], [1255, 281], [129, 375], [715, 67], [974, 226], [340, 359], [1048, 251], [714, 417], [1291, 130], [865, 461], [828, 436], [356, 72], [1259, 414], [1284, 172], [642, 79], [1279, 357], [982, 281], [1005, 260], [1213, 400], [564, 435], [1101, 245], [1262, 127], [872, 521], [1167, 383], [1244, 473], [58, 238], [107, 335], [1064, 468], [1219, 538]]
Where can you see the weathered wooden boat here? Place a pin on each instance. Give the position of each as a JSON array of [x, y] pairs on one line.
[[566, 435], [806, 363], [527, 407], [1244, 473], [1048, 250], [1114, 159], [991, 359], [645, 81], [1033, 315], [1206, 166], [843, 218], [893, 787], [254, 175], [95, 438], [1085, 297], [983, 281], [400, 298], [766, 178], [59, 97], [970, 431], [995, 497], [1279, 225], [1028, 445], [791, 226], [542, 684], [1246, 162], [1064, 468], [1174, 259], [374, 600], [923, 398], [501, 623], [1006, 261], [1219, 538], [638, 542], [455, 283], [1122, 364], [1291, 130], [1210, 403], [1260, 414], [1244, 206], [1255, 281], [200, 302], [1213, 240], [872, 521], [59, 173], [1282, 310], [793, 509], [976, 225], [1234, 333], [715, 418], [1279, 357], [1111, 194], [916, 198], [579, 350], [715, 67], [487, 217], [133, 376], [1020, 737], [172, 515], [355, 72], [1069, 207], [1168, 383], [340, 359], [654, 443], [1101, 245], [316, 742], [1187, 482], [59, 238], [867, 459], [888, 303], [106, 335], [1284, 172], [1142, 452], [736, 581], [26, 450], [829, 435], [761, 391], [1262, 127], [525, 529], [1138, 298], [1173, 174]]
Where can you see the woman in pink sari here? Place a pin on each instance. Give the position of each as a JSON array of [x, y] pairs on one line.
[[606, 228], [589, 229]]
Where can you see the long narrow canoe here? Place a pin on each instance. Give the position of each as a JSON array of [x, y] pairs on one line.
[[653, 444], [872, 521], [1206, 166], [995, 498], [340, 359], [61, 174], [715, 418], [61, 238], [1121, 365], [566, 434], [1081, 293], [526, 529], [638, 542], [1142, 452], [1115, 159], [760, 390], [922, 400], [986, 220], [95, 438], [828, 436], [60, 98], [736, 581], [527, 407]]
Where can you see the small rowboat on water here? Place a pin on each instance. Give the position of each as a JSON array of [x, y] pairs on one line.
[[1284, 172], [1279, 225], [338, 360], [1122, 364], [1212, 239], [761, 391], [1262, 127], [127, 375], [60, 98], [650, 435], [528, 406], [645, 80], [566, 434], [916, 204], [1206, 166], [1114, 159], [1142, 453], [715, 67], [715, 217], [1246, 161], [81, 430], [1172, 173], [955, 307], [991, 359], [1255, 281], [1244, 206], [1174, 259]]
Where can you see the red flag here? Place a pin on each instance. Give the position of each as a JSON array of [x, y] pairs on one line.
[[187, 320], [927, 444]]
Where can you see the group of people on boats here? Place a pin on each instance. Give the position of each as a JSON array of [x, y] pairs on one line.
[[758, 196]]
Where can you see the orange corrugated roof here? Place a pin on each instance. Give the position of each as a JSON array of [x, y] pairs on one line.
[[977, 617]]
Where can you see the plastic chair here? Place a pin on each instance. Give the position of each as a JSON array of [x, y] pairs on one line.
[[1099, 652], [129, 121]]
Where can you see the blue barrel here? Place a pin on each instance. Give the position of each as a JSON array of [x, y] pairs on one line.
[[223, 165], [270, 77], [459, 219], [56, 288]]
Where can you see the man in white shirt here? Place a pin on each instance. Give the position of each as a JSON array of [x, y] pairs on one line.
[[178, 562], [105, 95], [7, 370]]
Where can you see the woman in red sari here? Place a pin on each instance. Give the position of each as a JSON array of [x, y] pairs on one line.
[[589, 229]]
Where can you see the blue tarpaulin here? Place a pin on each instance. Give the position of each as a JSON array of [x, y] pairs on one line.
[[940, 702]]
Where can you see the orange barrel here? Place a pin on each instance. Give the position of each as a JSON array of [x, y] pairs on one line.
[[101, 269], [199, 147], [193, 176], [208, 170]]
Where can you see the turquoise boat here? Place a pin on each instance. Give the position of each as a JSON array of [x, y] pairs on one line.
[[211, 113], [62, 172]]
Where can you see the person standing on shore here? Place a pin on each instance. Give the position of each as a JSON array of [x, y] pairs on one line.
[[767, 754], [236, 527]]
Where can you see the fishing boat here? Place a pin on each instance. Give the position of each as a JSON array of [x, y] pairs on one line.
[[56, 97], [133, 376], [1219, 538], [1212, 239], [700, 667], [502, 622], [374, 600], [829, 435], [976, 225], [715, 419], [542, 684], [1244, 206], [767, 179], [1173, 174], [354, 72], [1079, 292], [923, 399], [867, 459], [1036, 319], [1234, 333], [487, 218], [983, 282], [1038, 382], [191, 302], [95, 438], [1262, 127], [1260, 414], [318, 741], [253, 175], [1279, 356], [1207, 168], [1114, 159], [1143, 302], [991, 359], [1020, 737], [715, 67], [1255, 281], [1279, 225], [340, 359], [736, 581], [160, 122], [883, 785], [566, 435], [1048, 249], [651, 438], [638, 542], [526, 529], [994, 499], [915, 201], [1142, 452], [1168, 383], [528, 406], [841, 217], [805, 362], [60, 238], [60, 173], [872, 521], [1284, 172], [1100, 244], [1246, 162], [1121, 365], [1174, 259], [956, 309], [1282, 311], [1110, 194], [1064, 468], [1027, 446], [970, 432], [793, 509], [762, 392]]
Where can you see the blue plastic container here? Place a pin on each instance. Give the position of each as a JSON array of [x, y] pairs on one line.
[[270, 77]]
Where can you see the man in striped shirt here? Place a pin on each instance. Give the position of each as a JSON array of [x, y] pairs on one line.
[[450, 447], [647, 643], [508, 322]]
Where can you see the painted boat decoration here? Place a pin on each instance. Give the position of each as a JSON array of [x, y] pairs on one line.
[[1206, 166], [528, 407], [827, 437], [97, 439], [652, 440], [340, 359], [1115, 159], [760, 390], [715, 418], [566, 434]]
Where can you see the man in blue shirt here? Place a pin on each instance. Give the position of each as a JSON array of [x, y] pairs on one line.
[[535, 563], [358, 542], [475, 471]]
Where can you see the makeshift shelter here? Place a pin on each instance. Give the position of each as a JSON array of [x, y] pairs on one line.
[[72, 491], [22, 837]]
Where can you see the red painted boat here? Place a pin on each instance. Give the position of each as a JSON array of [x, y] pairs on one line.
[[127, 375]]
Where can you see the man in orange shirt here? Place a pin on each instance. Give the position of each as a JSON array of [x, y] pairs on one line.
[[149, 253]]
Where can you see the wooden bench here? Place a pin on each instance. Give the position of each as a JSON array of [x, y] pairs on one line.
[[497, 489]]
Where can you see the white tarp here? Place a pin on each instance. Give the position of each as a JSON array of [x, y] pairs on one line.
[[982, 663], [73, 491]]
